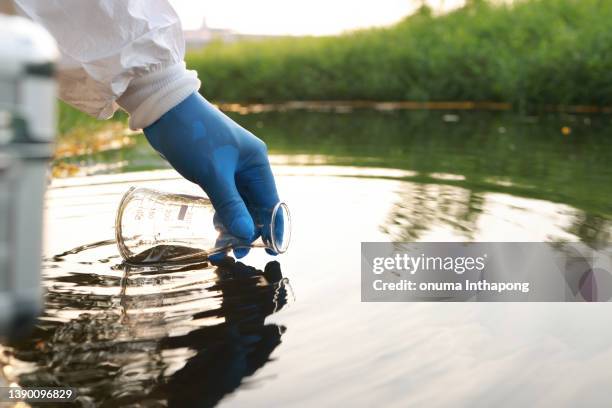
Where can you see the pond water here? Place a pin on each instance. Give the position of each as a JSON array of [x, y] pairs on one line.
[[292, 330]]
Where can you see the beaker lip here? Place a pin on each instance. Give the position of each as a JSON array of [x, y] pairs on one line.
[[280, 246]]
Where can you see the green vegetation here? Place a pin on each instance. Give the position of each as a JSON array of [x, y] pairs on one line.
[[80, 134], [73, 120], [531, 53]]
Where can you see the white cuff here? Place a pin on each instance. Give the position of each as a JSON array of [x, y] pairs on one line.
[[147, 98]]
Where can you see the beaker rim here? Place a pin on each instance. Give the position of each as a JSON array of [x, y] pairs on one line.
[[280, 246]]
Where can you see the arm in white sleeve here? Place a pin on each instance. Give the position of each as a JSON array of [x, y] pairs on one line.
[[127, 53]]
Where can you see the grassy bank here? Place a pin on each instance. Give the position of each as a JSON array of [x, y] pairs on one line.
[[80, 134], [529, 54], [535, 52]]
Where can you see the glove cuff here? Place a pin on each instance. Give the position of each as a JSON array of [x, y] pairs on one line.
[[147, 98]]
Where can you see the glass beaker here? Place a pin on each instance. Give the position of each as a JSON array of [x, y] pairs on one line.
[[156, 227]]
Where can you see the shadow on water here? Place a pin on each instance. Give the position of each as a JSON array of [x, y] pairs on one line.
[[188, 335]]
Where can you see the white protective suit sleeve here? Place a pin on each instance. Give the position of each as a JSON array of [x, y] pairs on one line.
[[127, 53]]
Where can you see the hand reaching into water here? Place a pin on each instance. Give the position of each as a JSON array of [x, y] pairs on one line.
[[227, 161]]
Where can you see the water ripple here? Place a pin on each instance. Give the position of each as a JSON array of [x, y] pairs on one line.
[[179, 335]]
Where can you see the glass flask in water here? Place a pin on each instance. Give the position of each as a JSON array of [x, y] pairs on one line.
[[152, 226]]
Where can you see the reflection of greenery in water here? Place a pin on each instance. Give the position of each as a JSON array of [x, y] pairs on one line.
[[492, 152], [426, 204], [477, 152]]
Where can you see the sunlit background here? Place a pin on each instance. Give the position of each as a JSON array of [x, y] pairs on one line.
[[313, 17]]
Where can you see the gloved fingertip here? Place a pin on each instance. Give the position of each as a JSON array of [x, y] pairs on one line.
[[217, 258], [270, 252], [242, 227], [241, 252]]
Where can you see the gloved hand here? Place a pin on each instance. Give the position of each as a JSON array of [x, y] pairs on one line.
[[227, 161]]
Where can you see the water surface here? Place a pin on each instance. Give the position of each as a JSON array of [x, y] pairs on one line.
[[261, 333]]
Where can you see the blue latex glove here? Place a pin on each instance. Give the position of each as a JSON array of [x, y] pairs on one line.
[[227, 161]]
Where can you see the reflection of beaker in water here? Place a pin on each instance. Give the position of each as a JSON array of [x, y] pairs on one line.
[[154, 226], [174, 335]]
